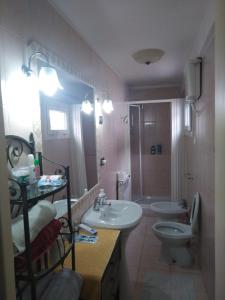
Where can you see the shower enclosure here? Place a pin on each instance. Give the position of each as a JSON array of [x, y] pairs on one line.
[[151, 138]]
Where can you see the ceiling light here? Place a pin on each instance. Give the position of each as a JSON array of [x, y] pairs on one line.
[[148, 56], [107, 106]]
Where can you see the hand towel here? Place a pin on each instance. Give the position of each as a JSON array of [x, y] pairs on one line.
[[41, 244], [39, 216]]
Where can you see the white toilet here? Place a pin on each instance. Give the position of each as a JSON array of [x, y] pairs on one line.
[[174, 237]]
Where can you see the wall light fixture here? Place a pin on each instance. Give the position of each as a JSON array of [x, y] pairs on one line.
[[107, 106], [86, 107], [47, 78]]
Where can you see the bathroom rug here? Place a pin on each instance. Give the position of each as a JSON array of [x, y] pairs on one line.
[[161, 286]]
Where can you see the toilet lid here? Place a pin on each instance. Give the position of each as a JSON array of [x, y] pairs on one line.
[[172, 230], [194, 213]]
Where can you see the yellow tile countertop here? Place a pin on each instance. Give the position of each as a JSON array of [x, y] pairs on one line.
[[92, 260]]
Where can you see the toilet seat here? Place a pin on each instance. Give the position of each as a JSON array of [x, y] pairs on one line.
[[172, 230]]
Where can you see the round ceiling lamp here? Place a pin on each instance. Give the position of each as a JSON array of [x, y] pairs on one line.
[[148, 56]]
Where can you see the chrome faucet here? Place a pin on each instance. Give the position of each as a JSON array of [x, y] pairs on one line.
[[100, 201], [96, 205]]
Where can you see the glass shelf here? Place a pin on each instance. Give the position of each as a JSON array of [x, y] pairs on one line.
[[33, 192]]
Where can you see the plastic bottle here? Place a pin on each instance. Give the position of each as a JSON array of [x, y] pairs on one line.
[[37, 168], [30, 163], [102, 195]]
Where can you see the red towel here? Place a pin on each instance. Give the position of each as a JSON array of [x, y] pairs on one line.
[[43, 241]]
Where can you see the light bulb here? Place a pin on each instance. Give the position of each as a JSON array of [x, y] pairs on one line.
[[48, 81], [86, 107], [107, 106]]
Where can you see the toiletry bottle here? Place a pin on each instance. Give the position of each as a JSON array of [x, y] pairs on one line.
[[37, 168], [30, 163], [102, 196]]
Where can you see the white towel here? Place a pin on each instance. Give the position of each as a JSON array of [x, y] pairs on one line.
[[39, 216]]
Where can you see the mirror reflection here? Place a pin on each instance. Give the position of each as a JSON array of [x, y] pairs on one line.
[[68, 133]]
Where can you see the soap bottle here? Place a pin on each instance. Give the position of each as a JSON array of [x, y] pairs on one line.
[[30, 163]]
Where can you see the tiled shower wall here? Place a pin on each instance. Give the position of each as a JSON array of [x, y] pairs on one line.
[[21, 21], [155, 129], [199, 165], [157, 167]]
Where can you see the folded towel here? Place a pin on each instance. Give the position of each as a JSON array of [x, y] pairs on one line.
[[43, 241], [39, 216]]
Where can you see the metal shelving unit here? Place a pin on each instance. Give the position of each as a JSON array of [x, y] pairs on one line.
[[22, 198]]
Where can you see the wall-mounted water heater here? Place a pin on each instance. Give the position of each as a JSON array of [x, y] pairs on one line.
[[193, 80]]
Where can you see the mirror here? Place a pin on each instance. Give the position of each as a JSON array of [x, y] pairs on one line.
[[68, 134]]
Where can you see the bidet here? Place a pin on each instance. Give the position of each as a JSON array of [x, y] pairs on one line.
[[168, 210]]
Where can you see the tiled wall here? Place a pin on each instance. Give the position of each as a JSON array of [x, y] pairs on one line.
[[157, 168], [21, 21], [199, 162]]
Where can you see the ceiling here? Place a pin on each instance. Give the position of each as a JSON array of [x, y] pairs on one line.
[[116, 29]]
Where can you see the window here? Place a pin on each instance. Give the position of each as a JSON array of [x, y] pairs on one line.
[[57, 117], [188, 117], [58, 120]]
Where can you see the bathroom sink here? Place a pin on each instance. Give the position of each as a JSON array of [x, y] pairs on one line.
[[121, 214]]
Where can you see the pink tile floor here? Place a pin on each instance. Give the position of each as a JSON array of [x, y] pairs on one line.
[[142, 253]]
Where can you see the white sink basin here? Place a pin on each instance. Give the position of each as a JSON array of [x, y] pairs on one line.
[[121, 214]]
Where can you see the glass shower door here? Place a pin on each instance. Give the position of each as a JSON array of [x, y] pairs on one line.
[[136, 150]]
